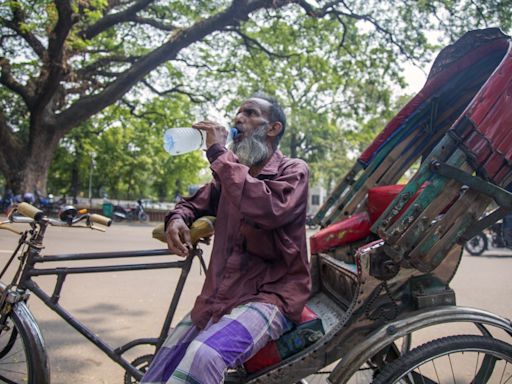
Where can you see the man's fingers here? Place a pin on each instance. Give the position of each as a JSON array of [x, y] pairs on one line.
[[186, 239], [175, 243], [215, 133]]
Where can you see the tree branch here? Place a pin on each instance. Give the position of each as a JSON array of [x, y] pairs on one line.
[[15, 25], [143, 115], [152, 22], [11, 83], [89, 105], [204, 66], [58, 36], [330, 9], [91, 69], [51, 73], [108, 21], [5, 37], [176, 89], [480, 12], [249, 42]]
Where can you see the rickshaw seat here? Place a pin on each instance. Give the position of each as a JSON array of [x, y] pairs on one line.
[[357, 227], [306, 332]]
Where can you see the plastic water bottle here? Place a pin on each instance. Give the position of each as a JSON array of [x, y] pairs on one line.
[[178, 141]]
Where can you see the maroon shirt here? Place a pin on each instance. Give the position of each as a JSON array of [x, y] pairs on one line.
[[259, 250]]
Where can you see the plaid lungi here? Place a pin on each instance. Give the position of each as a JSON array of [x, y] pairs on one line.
[[191, 355]]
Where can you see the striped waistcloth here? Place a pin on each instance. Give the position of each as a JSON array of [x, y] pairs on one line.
[[191, 355]]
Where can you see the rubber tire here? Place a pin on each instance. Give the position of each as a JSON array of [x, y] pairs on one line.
[[143, 217], [22, 322], [116, 218], [142, 364], [482, 245], [424, 353]]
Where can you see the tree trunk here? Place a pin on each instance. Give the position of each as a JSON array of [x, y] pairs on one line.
[[30, 171], [293, 145], [75, 179]]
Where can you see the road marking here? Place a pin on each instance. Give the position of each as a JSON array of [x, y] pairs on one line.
[[5, 250]]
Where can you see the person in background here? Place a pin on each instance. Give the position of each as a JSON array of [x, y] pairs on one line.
[[258, 278]]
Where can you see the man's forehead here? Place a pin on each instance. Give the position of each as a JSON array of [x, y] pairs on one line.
[[262, 104]]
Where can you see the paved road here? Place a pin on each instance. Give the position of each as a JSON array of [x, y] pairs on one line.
[[123, 306]]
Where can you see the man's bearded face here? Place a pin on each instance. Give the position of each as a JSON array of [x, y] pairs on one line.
[[253, 149]]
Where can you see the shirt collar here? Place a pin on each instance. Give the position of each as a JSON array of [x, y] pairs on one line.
[[272, 166]]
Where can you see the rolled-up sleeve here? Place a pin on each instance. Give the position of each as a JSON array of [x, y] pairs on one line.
[[202, 203]]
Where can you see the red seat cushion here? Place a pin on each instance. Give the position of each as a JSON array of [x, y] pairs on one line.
[[346, 231], [357, 227], [306, 332], [379, 198]]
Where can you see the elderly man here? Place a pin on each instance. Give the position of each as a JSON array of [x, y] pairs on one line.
[[258, 278]]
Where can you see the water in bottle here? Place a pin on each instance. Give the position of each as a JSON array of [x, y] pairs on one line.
[[182, 140]]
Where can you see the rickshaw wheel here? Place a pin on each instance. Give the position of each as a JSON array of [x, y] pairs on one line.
[[142, 364], [469, 358]]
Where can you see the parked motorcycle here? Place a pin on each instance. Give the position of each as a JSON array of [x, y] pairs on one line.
[[500, 235], [47, 204], [310, 222], [135, 213], [6, 201]]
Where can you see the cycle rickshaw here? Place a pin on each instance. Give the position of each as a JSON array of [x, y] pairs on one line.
[[384, 257]]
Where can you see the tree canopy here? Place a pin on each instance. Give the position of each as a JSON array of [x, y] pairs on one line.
[[106, 76]]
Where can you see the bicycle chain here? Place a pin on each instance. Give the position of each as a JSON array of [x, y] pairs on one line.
[[381, 313]]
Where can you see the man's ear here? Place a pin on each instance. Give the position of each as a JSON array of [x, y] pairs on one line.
[[275, 129]]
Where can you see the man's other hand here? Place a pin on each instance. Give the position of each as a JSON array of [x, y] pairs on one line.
[[178, 237], [215, 133]]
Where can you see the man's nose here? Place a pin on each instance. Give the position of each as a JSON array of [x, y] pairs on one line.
[[239, 118]]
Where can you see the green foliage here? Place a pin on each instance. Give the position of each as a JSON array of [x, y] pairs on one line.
[[126, 155], [331, 82], [334, 66]]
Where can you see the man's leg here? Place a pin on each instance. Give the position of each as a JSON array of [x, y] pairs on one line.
[[171, 352], [229, 342]]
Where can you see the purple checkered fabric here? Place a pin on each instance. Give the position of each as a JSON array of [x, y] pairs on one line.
[[191, 355]]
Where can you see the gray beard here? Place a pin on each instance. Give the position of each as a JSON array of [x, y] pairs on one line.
[[254, 149]]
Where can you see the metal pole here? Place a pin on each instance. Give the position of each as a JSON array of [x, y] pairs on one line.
[[90, 179]]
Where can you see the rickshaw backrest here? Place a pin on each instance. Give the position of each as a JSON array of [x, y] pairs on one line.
[[471, 166], [458, 74]]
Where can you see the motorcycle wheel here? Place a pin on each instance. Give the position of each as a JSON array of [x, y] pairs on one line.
[[143, 217], [476, 245], [117, 218]]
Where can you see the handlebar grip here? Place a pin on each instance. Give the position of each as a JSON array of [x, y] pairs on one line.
[[99, 219], [29, 210], [202, 227], [159, 233]]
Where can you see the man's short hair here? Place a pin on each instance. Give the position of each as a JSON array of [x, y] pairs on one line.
[[276, 112]]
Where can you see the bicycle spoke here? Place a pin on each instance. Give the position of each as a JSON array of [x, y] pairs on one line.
[[476, 365], [13, 362], [6, 380], [510, 377], [424, 379], [18, 352], [455, 359], [435, 370]]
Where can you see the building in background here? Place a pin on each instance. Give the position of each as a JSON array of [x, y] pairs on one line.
[[317, 196]]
